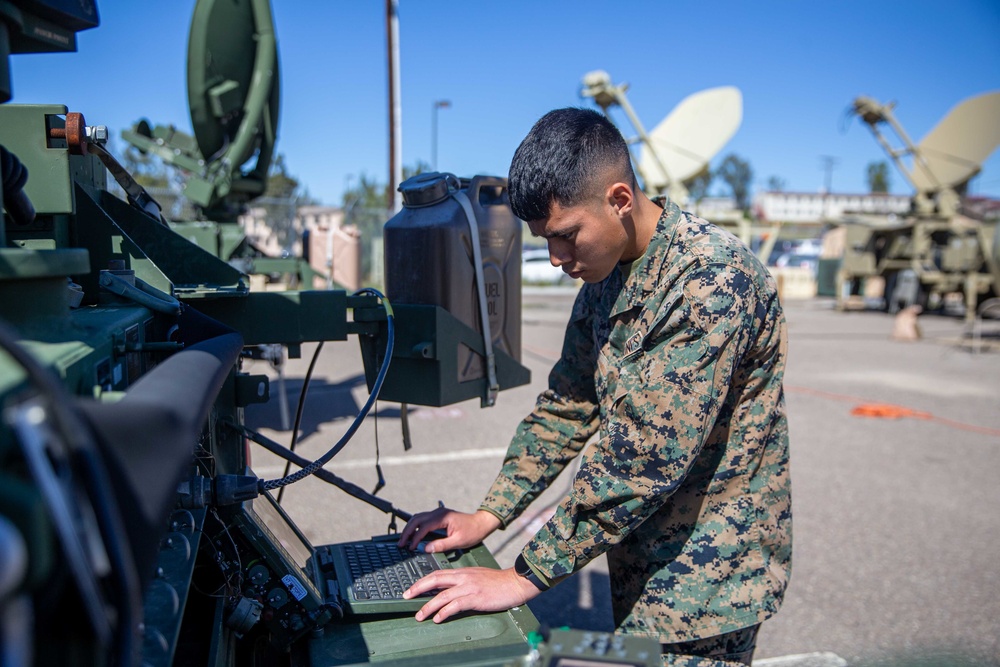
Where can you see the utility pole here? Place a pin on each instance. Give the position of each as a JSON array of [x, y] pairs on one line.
[[395, 105], [829, 162], [438, 104]]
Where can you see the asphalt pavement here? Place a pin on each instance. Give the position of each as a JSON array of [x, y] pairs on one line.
[[896, 509]]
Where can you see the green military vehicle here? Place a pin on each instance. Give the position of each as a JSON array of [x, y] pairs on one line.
[[940, 249], [132, 528]]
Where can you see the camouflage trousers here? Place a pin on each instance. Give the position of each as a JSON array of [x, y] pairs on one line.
[[732, 649]]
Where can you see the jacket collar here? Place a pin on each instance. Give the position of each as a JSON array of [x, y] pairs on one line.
[[642, 280]]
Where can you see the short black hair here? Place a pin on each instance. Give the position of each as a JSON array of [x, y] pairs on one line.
[[561, 160]]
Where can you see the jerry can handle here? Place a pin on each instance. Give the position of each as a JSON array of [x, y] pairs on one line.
[[479, 182]]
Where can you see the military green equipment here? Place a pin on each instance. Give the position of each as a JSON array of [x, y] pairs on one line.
[[575, 648], [948, 157], [132, 529], [936, 250], [233, 95]]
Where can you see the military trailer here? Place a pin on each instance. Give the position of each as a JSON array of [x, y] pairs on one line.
[[936, 250], [921, 261]]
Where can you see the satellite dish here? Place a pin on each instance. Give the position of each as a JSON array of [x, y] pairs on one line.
[[956, 148], [690, 136], [233, 95]]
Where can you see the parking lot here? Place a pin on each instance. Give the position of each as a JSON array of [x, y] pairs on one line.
[[896, 521]]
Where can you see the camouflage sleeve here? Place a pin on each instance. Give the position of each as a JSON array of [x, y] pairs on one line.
[[564, 418], [666, 401]]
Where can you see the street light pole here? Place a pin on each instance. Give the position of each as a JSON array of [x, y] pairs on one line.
[[438, 104]]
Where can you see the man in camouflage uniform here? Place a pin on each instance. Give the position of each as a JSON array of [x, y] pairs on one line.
[[674, 355]]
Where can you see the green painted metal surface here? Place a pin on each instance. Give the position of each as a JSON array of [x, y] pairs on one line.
[[25, 133], [106, 347], [282, 317], [425, 368]]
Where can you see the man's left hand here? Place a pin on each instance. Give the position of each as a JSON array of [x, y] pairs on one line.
[[471, 589]]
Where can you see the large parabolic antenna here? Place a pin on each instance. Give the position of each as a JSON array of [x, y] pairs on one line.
[[958, 145], [951, 154], [683, 144], [690, 136], [233, 94]]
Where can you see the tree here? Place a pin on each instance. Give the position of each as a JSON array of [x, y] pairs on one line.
[[147, 170], [367, 206], [279, 182], [738, 174], [878, 176], [775, 183], [698, 186], [163, 185], [372, 194]]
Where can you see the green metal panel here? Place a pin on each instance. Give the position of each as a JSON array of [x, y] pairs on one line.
[[859, 257], [106, 242], [25, 133], [16, 263], [231, 237], [478, 640], [184, 264], [826, 276], [203, 234], [84, 349], [425, 362], [282, 317]]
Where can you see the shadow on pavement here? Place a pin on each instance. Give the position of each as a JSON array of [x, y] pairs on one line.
[[325, 402]]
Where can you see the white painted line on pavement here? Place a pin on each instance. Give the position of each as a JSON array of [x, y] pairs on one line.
[[819, 659], [444, 457]]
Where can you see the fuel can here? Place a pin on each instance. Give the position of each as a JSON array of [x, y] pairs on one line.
[[429, 260]]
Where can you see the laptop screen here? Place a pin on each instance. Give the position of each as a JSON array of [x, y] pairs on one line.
[[297, 548], [264, 513]]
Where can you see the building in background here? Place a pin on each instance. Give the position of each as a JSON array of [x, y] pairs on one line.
[[819, 207], [317, 234], [712, 208]]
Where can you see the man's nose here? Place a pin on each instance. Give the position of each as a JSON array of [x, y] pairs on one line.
[[559, 255]]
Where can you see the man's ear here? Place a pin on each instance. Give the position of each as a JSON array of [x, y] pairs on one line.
[[621, 198]]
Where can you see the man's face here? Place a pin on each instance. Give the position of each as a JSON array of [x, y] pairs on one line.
[[586, 240]]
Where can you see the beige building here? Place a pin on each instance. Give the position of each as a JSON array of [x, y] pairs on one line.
[[817, 207], [333, 249]]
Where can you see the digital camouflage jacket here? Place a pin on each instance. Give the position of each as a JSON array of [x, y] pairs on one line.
[[678, 366]]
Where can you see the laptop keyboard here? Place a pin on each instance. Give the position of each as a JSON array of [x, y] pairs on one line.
[[382, 571]]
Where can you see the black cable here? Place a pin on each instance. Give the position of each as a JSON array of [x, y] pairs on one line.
[[298, 414], [270, 485]]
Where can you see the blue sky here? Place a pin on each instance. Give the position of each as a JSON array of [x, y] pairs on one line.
[[502, 65]]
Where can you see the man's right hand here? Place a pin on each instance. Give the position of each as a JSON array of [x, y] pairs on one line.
[[462, 530]]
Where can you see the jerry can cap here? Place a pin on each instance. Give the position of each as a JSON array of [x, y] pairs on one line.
[[427, 189]]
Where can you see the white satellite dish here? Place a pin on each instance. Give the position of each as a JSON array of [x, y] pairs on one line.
[[690, 136], [956, 148]]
